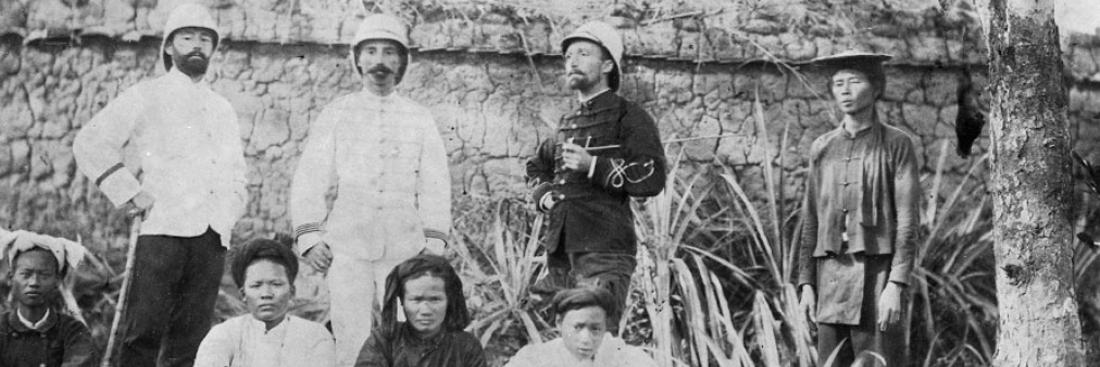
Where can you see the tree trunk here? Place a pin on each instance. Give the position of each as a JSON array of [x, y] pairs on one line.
[[1032, 187]]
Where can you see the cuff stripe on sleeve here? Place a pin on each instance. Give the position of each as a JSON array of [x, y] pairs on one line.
[[307, 228], [108, 172]]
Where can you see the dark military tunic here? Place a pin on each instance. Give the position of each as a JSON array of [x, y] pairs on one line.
[[594, 213]]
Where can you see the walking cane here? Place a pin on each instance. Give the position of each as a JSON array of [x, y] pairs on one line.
[[135, 229]]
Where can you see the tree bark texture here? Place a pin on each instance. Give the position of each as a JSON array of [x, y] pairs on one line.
[[1032, 188]]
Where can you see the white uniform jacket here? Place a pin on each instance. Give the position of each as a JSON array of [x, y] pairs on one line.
[[180, 142], [388, 163]]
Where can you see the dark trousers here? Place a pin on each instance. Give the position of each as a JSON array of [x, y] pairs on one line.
[[170, 306], [607, 270], [863, 343]]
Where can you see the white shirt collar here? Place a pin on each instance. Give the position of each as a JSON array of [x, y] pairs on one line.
[[372, 97], [262, 327], [33, 325]]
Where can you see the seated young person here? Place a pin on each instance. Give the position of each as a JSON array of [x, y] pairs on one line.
[[33, 333], [431, 298], [582, 321], [267, 336]]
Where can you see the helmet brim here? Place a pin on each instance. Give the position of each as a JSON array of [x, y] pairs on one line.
[[613, 78]]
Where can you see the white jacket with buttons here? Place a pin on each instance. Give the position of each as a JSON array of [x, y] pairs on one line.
[[387, 162], [178, 141]]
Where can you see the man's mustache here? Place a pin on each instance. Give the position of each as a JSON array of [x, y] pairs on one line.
[[380, 69], [196, 53]]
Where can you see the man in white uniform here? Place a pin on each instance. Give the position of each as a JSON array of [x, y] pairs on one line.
[[387, 160], [170, 147]]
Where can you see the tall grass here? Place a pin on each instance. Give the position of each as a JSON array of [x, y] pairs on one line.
[[954, 306], [717, 266], [764, 327], [707, 235], [718, 262], [502, 267]]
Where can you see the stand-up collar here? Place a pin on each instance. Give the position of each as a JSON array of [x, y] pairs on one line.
[[371, 97], [261, 326], [594, 96], [874, 127], [17, 322]]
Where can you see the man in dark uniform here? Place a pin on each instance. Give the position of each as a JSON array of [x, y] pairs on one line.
[[604, 153], [859, 215]]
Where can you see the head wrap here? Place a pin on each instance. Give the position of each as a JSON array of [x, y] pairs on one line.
[[263, 249], [68, 253], [457, 316], [577, 298]]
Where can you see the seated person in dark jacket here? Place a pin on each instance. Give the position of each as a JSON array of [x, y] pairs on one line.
[[435, 309], [32, 334]]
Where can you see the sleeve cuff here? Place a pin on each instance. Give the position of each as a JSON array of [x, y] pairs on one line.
[[307, 240], [120, 186], [592, 168], [540, 191], [902, 280], [436, 234], [306, 228]]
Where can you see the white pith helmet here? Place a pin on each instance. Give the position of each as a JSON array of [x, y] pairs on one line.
[[606, 36], [188, 15], [381, 27]]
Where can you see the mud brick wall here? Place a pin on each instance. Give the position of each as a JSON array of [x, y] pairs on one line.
[[491, 74]]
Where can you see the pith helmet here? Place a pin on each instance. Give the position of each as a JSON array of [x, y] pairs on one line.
[[186, 16], [606, 36], [381, 27]]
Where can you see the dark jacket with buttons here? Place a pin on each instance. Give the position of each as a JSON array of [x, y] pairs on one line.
[[62, 342], [593, 214]]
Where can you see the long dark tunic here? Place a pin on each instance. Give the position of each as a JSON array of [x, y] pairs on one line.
[[861, 199], [403, 348], [62, 342], [594, 213]]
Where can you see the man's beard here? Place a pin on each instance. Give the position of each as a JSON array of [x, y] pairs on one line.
[[192, 64], [579, 81]]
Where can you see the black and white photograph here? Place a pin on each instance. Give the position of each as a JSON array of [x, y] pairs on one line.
[[536, 183]]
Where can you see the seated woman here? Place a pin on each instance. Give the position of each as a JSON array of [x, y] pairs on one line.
[[267, 337], [431, 298], [582, 322], [33, 334]]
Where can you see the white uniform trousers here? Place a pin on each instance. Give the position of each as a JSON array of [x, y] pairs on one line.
[[356, 289]]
